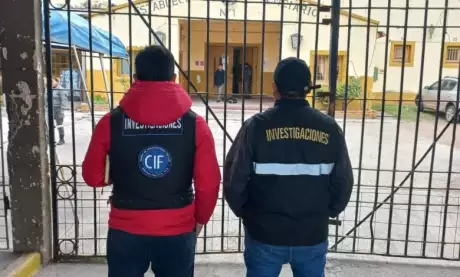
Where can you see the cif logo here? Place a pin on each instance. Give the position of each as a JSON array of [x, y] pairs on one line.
[[230, 2], [155, 162]]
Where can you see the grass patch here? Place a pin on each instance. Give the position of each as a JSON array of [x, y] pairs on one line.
[[98, 99], [408, 113]]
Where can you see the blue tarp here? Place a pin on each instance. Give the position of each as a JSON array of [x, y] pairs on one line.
[[80, 34]]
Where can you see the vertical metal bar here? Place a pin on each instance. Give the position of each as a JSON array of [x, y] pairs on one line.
[[449, 174], [225, 123], [208, 10], [169, 23], [245, 22], [263, 56], [382, 117], [417, 124], [347, 73], [299, 28], [436, 121], [74, 152], [5, 196], [361, 149], [52, 151], [280, 54], [451, 157], [208, 26], [315, 64], [189, 34], [150, 21], [398, 125], [240, 222], [333, 55], [130, 43], [111, 55], [91, 67]]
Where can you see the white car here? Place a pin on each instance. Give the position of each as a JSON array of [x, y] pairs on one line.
[[447, 100]]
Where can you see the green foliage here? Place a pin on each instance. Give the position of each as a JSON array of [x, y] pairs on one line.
[[98, 99], [354, 89]]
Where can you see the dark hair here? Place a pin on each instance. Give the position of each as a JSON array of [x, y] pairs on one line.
[[154, 63]]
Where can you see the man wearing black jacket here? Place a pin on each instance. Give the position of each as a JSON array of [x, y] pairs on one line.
[[288, 172]]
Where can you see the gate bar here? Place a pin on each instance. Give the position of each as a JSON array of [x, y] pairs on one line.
[[187, 78], [400, 185], [333, 52]]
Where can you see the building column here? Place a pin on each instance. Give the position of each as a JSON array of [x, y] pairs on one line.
[[21, 60]]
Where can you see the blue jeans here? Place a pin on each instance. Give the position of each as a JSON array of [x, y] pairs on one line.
[[132, 255], [263, 260]]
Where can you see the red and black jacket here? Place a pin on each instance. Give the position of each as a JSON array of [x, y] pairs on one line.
[[155, 104]]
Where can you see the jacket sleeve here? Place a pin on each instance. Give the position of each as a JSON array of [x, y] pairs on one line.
[[341, 181], [93, 167], [238, 169], [206, 173], [63, 96]]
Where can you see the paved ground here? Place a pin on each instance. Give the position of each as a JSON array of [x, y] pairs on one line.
[[231, 265], [85, 216]]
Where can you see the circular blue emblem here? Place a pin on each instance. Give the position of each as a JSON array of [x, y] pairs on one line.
[[154, 162]]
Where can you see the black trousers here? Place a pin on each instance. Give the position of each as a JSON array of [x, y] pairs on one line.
[[132, 255]]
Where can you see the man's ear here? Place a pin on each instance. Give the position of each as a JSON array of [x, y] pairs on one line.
[[173, 79]]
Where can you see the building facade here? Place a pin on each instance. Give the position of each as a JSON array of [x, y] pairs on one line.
[[269, 35]]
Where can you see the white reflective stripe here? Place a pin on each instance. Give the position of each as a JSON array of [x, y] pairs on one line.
[[293, 169]]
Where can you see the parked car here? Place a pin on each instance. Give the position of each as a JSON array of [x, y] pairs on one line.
[[448, 97]]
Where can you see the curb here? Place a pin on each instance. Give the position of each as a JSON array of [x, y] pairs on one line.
[[27, 265]]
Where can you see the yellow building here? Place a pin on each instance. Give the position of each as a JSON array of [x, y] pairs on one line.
[[270, 35]]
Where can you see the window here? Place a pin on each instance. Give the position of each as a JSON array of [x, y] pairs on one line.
[[322, 66], [397, 53], [451, 55], [448, 85], [122, 65]]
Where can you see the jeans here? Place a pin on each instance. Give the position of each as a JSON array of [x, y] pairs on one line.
[[132, 255], [263, 260], [220, 92]]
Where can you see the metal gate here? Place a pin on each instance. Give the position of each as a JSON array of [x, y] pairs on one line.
[[393, 69]]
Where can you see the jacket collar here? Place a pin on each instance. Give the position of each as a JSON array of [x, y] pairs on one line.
[[292, 103]]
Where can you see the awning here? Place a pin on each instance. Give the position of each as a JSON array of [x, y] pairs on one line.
[[79, 27]]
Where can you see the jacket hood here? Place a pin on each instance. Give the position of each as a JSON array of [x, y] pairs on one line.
[[155, 103]]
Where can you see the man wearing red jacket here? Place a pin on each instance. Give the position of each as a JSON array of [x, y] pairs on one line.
[[156, 146]]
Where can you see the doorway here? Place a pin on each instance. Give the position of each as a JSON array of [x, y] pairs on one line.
[[234, 65]]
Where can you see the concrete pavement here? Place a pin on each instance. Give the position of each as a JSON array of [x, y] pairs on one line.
[[232, 265]]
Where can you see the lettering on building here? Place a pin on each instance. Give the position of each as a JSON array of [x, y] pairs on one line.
[[297, 133], [133, 128], [294, 6], [160, 5]]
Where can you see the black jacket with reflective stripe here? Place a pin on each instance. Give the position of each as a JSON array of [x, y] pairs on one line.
[[287, 172], [151, 166]]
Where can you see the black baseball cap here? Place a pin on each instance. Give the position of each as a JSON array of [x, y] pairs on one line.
[[292, 76]]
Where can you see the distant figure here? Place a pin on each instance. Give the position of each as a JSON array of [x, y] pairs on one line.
[[59, 105], [163, 168], [219, 82], [247, 85]]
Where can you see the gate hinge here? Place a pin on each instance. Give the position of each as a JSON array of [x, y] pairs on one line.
[[6, 203]]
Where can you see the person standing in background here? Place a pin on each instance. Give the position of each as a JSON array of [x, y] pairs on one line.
[[59, 105], [219, 82], [247, 85]]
